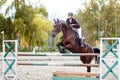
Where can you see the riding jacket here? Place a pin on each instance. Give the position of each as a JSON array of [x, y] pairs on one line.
[[72, 21]]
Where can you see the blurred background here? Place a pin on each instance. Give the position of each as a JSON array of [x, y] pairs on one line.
[[31, 21]]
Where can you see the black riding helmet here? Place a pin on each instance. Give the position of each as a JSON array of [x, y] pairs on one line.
[[70, 14]]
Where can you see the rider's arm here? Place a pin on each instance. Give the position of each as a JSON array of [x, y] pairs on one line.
[[75, 24]]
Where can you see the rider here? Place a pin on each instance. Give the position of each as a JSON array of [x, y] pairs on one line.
[[75, 26]]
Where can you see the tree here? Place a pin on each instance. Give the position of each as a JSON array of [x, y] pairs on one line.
[[43, 28], [2, 21], [30, 24], [89, 17], [29, 29]]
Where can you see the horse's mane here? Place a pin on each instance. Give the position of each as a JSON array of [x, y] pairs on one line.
[[64, 23], [60, 22]]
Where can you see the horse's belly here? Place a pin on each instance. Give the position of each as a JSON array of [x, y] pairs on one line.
[[81, 50]]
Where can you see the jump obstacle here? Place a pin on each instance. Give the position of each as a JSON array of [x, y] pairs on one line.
[[10, 48], [110, 59], [72, 76], [77, 76]]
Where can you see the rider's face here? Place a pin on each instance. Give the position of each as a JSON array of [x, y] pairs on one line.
[[69, 16]]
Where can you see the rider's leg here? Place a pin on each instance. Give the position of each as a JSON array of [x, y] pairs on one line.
[[80, 37], [79, 32]]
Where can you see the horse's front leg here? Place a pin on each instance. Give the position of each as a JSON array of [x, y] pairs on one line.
[[61, 49]]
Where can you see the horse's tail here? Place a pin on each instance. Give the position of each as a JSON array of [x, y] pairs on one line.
[[97, 59], [96, 50]]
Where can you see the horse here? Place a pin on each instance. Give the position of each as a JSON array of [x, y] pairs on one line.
[[70, 41]]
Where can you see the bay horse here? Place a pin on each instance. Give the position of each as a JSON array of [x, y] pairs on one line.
[[69, 41]]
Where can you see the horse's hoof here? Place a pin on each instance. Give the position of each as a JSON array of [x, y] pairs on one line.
[[62, 51]]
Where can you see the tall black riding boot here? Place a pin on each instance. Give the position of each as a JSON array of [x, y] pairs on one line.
[[81, 42]]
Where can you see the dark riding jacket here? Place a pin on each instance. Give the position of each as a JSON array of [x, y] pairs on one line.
[[72, 21]]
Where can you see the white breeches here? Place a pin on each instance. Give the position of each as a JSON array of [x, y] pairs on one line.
[[78, 31]]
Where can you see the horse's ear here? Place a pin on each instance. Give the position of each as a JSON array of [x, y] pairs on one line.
[[54, 21], [58, 20]]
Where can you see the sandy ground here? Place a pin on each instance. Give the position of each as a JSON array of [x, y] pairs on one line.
[[43, 73]]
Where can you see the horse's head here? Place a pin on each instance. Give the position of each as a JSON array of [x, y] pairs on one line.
[[59, 25]]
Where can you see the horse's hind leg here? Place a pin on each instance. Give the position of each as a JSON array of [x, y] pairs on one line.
[[61, 50], [86, 60], [88, 69], [97, 60], [97, 51]]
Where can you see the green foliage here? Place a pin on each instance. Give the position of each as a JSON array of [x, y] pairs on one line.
[[30, 25], [105, 11], [2, 21], [2, 2], [43, 27]]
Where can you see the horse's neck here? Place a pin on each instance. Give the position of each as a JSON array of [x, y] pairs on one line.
[[68, 32]]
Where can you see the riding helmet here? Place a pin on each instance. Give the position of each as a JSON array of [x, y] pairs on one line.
[[70, 14]]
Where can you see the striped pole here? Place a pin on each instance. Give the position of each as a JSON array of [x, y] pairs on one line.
[[58, 64], [66, 54]]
